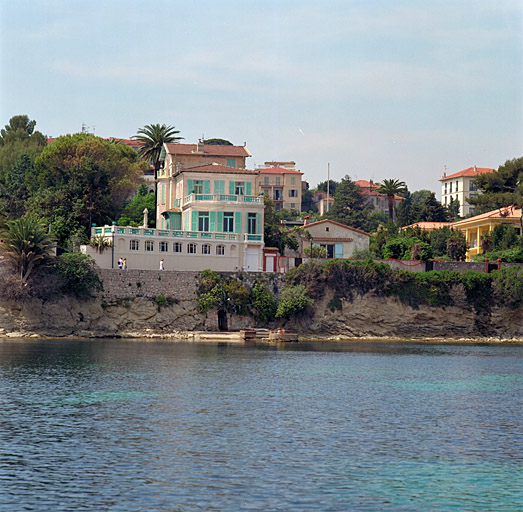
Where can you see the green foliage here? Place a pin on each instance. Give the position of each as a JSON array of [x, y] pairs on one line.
[[507, 284], [500, 189], [392, 188], [264, 304], [162, 300], [20, 128], [81, 179], [293, 300], [132, 214], [317, 251], [274, 232], [350, 206], [322, 187], [153, 137], [79, 274], [227, 295], [217, 142], [26, 246]]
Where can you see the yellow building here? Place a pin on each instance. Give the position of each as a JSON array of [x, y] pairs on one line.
[[475, 228]]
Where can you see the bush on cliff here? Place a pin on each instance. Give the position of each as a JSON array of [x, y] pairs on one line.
[[78, 274], [263, 303], [293, 300]]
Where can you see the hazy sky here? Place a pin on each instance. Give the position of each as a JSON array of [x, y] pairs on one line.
[[382, 89]]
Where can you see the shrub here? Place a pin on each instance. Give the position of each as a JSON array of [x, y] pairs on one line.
[[507, 285], [263, 302], [79, 274], [293, 300]]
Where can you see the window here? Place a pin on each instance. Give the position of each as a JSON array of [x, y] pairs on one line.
[[265, 191], [239, 188], [177, 247], [164, 246], [446, 187], [445, 200], [220, 250], [472, 186], [450, 187], [228, 222], [191, 248], [149, 245], [293, 180], [198, 186], [203, 221], [278, 179], [231, 162], [251, 223], [293, 193], [456, 186], [206, 249], [134, 245], [266, 180], [276, 195]]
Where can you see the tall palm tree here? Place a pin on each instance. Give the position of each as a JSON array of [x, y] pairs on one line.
[[153, 137], [390, 188], [26, 245]]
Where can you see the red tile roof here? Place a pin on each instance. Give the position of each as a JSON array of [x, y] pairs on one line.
[[471, 171], [208, 150], [214, 167], [366, 184], [278, 170], [337, 224], [427, 226]]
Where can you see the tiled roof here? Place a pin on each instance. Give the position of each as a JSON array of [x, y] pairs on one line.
[[509, 212], [366, 184], [428, 226], [278, 170], [208, 150], [471, 171], [377, 194], [214, 167], [337, 224]]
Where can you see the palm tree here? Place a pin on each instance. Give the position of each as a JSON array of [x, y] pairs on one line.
[[153, 137], [390, 188], [26, 245]]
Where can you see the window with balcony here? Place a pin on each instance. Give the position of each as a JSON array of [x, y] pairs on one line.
[[239, 188], [220, 250], [191, 248], [198, 186], [251, 223], [134, 245], [203, 221], [177, 247], [276, 195], [228, 222]]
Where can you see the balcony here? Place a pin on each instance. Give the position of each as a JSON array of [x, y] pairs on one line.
[[221, 198]]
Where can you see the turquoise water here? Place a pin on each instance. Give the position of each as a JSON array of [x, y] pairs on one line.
[[121, 425]]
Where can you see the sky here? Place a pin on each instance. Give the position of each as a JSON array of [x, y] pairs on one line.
[[373, 89]]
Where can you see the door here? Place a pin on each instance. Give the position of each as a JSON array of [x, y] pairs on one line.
[[251, 259]]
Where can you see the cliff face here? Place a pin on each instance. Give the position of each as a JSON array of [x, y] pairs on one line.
[[364, 316]]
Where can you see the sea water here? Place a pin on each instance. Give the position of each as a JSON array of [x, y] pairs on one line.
[[137, 425]]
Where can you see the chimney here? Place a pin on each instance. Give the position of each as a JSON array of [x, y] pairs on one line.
[[475, 170], [306, 220], [371, 183], [199, 146]]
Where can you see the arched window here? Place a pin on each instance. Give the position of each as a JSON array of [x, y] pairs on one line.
[[191, 248], [206, 249], [220, 250], [177, 247]]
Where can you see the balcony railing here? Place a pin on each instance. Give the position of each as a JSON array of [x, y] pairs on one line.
[[222, 198]]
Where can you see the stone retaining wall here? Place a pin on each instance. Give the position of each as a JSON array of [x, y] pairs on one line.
[[181, 285]]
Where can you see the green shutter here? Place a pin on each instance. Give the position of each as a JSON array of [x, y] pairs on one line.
[[176, 220], [194, 221], [163, 194], [190, 187], [231, 187], [206, 187], [248, 188], [237, 222], [258, 223], [338, 250], [219, 187], [186, 221], [219, 228], [213, 222]]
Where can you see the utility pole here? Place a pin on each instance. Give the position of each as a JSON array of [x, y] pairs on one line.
[[328, 185]]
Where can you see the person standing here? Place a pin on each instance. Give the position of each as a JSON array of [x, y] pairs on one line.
[[120, 263], [125, 263], [162, 266]]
